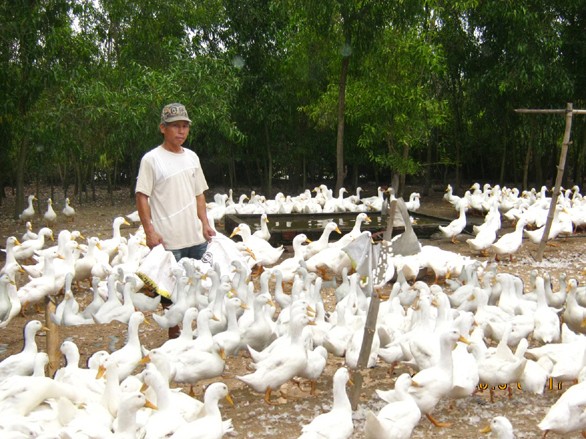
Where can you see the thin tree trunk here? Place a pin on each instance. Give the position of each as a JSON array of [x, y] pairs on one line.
[[304, 174], [503, 162], [402, 175], [581, 154], [427, 170], [20, 178], [269, 176], [340, 169], [528, 156]]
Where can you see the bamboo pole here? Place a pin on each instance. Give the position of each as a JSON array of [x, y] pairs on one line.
[[558, 182], [52, 338], [372, 315], [569, 112]]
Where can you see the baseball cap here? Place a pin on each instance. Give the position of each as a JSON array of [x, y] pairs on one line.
[[174, 112]]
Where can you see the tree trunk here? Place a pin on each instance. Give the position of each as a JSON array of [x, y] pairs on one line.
[[503, 162], [132, 176], [304, 170], [402, 175], [269, 176], [581, 154], [340, 170], [427, 171], [20, 178], [528, 156], [232, 171]]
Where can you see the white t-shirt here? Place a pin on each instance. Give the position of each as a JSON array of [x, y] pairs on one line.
[[172, 181]]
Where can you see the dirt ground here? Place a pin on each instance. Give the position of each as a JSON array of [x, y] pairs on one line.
[[252, 418]]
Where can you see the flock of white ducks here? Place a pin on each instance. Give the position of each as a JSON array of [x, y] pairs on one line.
[[527, 210], [49, 216], [474, 330]]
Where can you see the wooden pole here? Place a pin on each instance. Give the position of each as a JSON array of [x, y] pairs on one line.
[[558, 183], [569, 112], [52, 338], [372, 315]]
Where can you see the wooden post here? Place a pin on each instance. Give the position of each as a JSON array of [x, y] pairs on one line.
[[372, 315], [569, 112], [558, 183], [52, 338]]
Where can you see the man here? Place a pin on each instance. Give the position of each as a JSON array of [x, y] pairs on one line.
[[170, 192]]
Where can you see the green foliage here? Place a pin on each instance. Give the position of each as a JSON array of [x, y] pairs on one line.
[[82, 85]]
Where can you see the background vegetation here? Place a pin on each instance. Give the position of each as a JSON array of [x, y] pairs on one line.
[[291, 92]]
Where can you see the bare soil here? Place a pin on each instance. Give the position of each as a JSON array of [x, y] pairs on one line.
[[251, 416]]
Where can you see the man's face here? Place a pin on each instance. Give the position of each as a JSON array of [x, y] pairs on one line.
[[175, 133]]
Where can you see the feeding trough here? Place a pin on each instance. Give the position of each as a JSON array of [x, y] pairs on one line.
[[284, 227]]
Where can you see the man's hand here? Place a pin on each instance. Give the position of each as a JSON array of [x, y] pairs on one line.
[[153, 239], [208, 232]]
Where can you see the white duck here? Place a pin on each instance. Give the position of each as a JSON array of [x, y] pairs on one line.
[[174, 314], [501, 366], [282, 365], [68, 210], [561, 225], [72, 374], [396, 419], [174, 346], [122, 312], [547, 322], [27, 249], [510, 243], [210, 424], [264, 253], [50, 216], [574, 314], [129, 356], [289, 266], [454, 228], [29, 233], [38, 288], [263, 232], [29, 212], [196, 365], [500, 427], [337, 423], [432, 384], [322, 242], [125, 425], [69, 304], [11, 265], [231, 338], [414, 202], [453, 199], [567, 414], [9, 302], [556, 299], [110, 245], [355, 232], [332, 258], [316, 363], [23, 362], [83, 265], [112, 299], [167, 418], [482, 241], [204, 340]]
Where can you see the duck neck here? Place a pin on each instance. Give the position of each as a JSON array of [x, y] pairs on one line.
[[341, 400]]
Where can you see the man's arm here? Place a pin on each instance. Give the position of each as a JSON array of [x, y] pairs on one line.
[[208, 231], [144, 212]]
